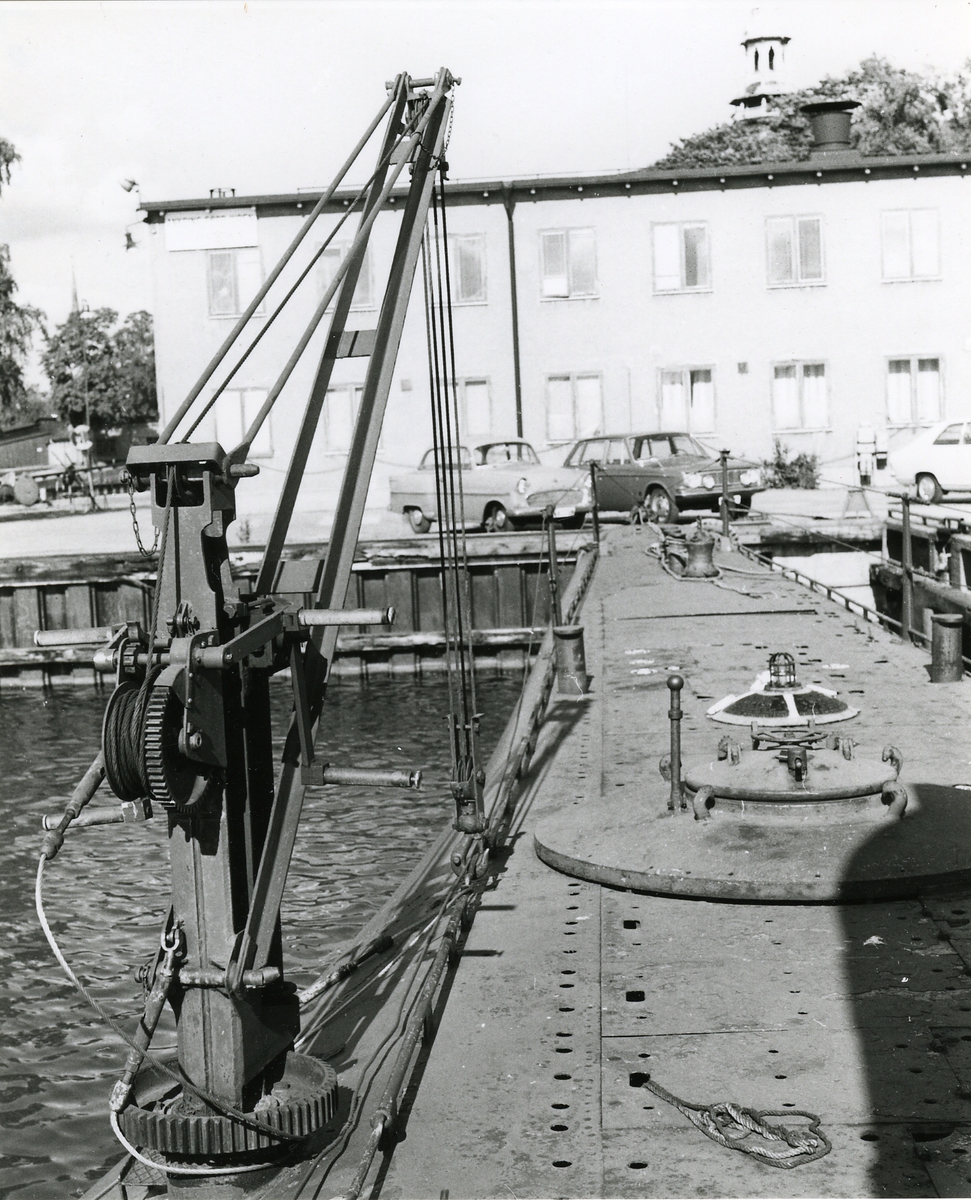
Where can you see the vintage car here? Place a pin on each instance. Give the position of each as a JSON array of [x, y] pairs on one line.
[[503, 485], [938, 460], [661, 474]]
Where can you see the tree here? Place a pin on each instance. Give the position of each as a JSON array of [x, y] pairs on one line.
[[901, 112], [101, 376], [18, 324]]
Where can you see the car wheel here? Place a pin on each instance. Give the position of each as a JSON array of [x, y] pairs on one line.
[[659, 506], [418, 521], [928, 489], [497, 520]]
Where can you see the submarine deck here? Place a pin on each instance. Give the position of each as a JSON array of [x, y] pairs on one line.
[[858, 1013]]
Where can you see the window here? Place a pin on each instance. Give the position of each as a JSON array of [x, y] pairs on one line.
[[800, 399], [475, 409], [688, 400], [234, 277], [950, 436], [467, 268], [795, 250], [681, 258], [340, 412], [230, 417], [910, 244], [569, 263], [327, 266], [574, 407], [913, 391]]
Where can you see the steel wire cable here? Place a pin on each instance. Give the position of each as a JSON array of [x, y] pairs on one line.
[[274, 274], [315, 258]]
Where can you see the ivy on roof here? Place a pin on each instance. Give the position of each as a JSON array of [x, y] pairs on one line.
[[902, 112]]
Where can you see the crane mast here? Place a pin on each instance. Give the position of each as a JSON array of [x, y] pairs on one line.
[[188, 726]]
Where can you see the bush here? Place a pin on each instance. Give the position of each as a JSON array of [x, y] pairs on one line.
[[781, 471]]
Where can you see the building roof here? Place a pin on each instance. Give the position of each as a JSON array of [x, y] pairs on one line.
[[839, 167]]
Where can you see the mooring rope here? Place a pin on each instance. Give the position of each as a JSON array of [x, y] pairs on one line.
[[730, 1125]]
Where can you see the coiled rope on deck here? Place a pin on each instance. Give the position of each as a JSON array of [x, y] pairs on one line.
[[730, 1125]]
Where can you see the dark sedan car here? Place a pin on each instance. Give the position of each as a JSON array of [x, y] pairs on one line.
[[662, 474]]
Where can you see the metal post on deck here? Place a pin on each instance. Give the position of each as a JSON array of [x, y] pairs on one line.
[[594, 502], [555, 614], [723, 455], [907, 569]]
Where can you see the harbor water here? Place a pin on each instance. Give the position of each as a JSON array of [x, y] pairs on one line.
[[107, 892]]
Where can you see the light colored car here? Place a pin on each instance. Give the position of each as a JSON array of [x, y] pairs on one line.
[[938, 460], [503, 484]]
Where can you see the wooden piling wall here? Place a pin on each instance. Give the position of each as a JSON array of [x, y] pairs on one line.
[[508, 584]]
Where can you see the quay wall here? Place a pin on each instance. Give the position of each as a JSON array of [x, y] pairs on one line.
[[509, 597]]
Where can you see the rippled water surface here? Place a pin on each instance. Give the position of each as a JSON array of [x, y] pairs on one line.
[[106, 894]]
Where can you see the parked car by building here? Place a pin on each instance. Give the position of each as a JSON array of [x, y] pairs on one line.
[[503, 484], [938, 460], [662, 474]]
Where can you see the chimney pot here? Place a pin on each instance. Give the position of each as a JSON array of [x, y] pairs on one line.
[[830, 124]]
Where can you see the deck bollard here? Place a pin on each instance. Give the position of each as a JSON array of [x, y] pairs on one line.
[[947, 665], [571, 663]]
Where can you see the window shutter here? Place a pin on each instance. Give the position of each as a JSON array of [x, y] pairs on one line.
[[470, 270], [560, 426], [339, 419], [364, 291], [701, 414], [925, 247], [222, 283], [582, 263], [696, 256], [478, 410], [249, 275], [555, 281], [779, 234], [785, 397], [815, 401], [673, 408], [227, 415], [928, 389], [896, 245], [252, 401], [667, 258], [590, 419], [898, 391], [810, 248]]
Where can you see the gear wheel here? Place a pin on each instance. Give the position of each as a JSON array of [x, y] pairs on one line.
[[174, 781], [303, 1101]]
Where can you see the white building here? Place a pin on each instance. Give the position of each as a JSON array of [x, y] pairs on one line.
[[790, 301]]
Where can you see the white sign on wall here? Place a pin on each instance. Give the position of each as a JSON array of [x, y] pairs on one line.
[[219, 229]]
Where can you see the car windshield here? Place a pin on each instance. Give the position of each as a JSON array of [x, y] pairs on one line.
[[460, 455], [586, 452], [667, 445], [498, 453]]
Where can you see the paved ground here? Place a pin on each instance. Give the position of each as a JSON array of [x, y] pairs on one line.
[[38, 531]]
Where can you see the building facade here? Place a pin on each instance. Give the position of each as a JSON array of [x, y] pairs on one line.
[[792, 302]]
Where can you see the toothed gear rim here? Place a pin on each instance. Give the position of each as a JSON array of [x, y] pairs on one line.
[[310, 1084], [174, 781]]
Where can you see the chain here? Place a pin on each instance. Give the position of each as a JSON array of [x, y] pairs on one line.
[[130, 483]]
